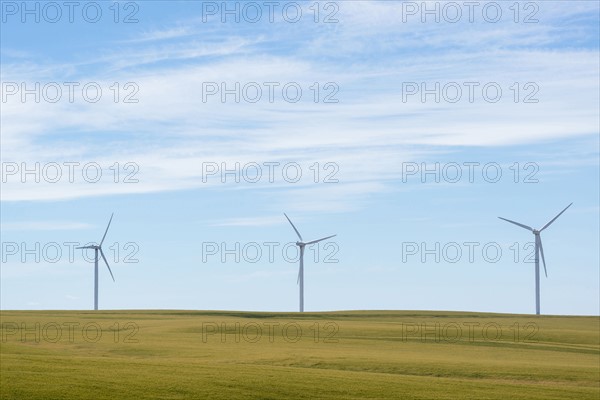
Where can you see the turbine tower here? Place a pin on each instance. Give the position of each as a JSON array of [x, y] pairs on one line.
[[539, 249], [301, 244], [98, 249]]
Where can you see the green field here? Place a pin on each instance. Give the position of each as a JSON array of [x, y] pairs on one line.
[[338, 355]]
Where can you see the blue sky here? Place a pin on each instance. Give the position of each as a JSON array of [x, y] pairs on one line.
[[370, 143]]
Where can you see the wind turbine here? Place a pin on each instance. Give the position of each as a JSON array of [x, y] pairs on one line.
[[98, 249], [539, 249], [301, 244]]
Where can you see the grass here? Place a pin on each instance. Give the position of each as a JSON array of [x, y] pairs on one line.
[[340, 355]]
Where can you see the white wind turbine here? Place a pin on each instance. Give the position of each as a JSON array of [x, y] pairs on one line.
[[539, 249], [98, 249], [301, 244]]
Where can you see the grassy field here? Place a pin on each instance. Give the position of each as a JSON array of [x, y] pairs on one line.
[[339, 355]]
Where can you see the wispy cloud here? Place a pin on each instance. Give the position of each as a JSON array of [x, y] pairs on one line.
[[163, 34], [43, 226], [368, 133], [246, 222]]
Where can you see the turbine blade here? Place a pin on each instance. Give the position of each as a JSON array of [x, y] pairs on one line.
[[297, 233], [85, 247], [320, 240], [518, 224], [539, 239], [554, 219], [104, 258], [106, 231]]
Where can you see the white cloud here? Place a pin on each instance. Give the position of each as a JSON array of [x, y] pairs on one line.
[[248, 222], [43, 226], [171, 131]]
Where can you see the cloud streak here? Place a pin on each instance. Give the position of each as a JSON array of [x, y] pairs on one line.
[[372, 128]]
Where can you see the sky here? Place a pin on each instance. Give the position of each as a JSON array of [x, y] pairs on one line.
[[406, 128]]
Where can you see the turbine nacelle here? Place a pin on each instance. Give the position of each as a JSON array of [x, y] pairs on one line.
[[90, 247]]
